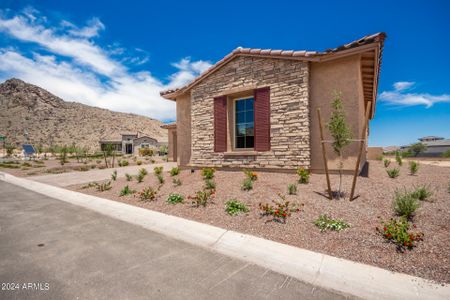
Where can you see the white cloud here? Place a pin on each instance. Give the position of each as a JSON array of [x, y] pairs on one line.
[[400, 97], [80, 70]]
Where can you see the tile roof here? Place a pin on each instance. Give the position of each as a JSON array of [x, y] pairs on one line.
[[303, 54]]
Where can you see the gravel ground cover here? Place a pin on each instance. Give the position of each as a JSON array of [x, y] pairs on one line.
[[361, 242]]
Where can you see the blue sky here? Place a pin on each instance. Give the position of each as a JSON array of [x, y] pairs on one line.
[[119, 56]]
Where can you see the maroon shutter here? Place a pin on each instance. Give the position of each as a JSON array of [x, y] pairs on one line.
[[262, 119], [220, 124]]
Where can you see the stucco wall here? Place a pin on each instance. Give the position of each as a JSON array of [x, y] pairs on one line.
[[171, 155], [183, 130], [342, 75], [288, 82]]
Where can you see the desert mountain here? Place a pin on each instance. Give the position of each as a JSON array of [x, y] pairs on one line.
[[49, 120]]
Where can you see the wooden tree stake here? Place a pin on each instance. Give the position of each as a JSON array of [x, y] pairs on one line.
[[324, 154], [361, 146]]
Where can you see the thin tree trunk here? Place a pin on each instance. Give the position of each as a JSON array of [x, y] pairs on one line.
[[106, 161], [340, 175]]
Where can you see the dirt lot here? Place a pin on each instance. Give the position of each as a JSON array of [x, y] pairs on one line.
[[361, 242], [23, 168]]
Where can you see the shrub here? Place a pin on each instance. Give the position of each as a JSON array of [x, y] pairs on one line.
[[398, 158], [146, 152], [123, 163], [26, 164], [250, 174], [174, 171], [326, 223], [128, 177], [143, 171], [175, 198], [126, 191], [413, 167], [176, 181], [210, 184], [303, 175], [386, 162], [114, 175], [234, 207], [160, 178], [202, 197], [446, 153], [89, 185], [280, 210], [139, 162], [158, 170], [140, 177], [397, 231], [292, 189], [393, 173], [247, 184], [422, 193], [104, 186], [147, 194], [208, 173], [405, 204]]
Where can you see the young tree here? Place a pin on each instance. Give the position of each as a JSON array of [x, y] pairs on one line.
[[108, 150], [340, 132], [417, 148], [9, 149]]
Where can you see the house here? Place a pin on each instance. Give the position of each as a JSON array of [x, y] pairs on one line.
[[258, 108], [129, 143], [436, 146]]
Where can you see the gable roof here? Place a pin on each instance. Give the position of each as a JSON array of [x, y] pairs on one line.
[[366, 43]]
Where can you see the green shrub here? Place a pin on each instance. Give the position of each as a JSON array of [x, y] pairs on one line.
[[89, 185], [140, 177], [405, 204], [176, 181], [174, 171], [280, 211], [146, 152], [326, 223], [114, 175], [147, 194], [446, 153], [9, 166], [398, 158], [208, 173], [422, 193], [292, 189], [386, 162], [175, 198], [160, 179], [143, 171], [139, 162], [393, 173], [303, 175], [234, 207], [128, 177], [397, 231], [104, 186], [247, 184], [126, 191], [123, 163], [202, 197], [158, 170], [26, 164], [210, 184], [250, 174], [413, 167], [379, 157]]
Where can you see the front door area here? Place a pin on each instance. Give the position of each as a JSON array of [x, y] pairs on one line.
[[129, 149]]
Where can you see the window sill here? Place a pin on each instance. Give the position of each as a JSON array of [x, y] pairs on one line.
[[240, 153]]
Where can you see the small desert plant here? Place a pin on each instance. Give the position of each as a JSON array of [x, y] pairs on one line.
[[202, 198], [386, 162], [234, 207], [26, 164], [393, 173], [405, 204], [413, 167], [174, 171], [326, 223], [89, 185], [158, 170], [175, 198], [147, 194], [160, 179], [176, 181], [292, 189], [128, 177], [123, 163], [139, 162], [143, 171], [398, 232], [422, 193], [303, 175], [104, 186], [250, 174], [398, 158], [126, 191], [210, 184], [280, 210], [247, 184], [140, 177], [114, 175], [208, 173]]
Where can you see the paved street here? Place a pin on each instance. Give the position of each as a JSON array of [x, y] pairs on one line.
[[76, 253]]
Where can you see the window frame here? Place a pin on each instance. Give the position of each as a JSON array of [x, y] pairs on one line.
[[234, 127]]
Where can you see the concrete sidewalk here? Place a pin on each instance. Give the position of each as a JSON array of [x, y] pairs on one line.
[[76, 253], [70, 178]]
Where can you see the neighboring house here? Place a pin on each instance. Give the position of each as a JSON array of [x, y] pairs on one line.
[[436, 146], [258, 108], [130, 143]]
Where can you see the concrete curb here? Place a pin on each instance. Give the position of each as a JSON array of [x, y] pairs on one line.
[[322, 270]]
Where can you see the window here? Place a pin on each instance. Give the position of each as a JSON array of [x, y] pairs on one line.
[[244, 131]]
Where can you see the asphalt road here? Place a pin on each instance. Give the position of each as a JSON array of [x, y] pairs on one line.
[[54, 250]]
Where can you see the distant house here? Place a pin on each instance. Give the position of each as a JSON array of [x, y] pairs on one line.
[[130, 143], [436, 146], [257, 108]]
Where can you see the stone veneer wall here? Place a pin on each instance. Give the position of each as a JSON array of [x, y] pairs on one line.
[[289, 117]]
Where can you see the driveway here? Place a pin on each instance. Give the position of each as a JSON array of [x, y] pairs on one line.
[[70, 178], [62, 251]]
